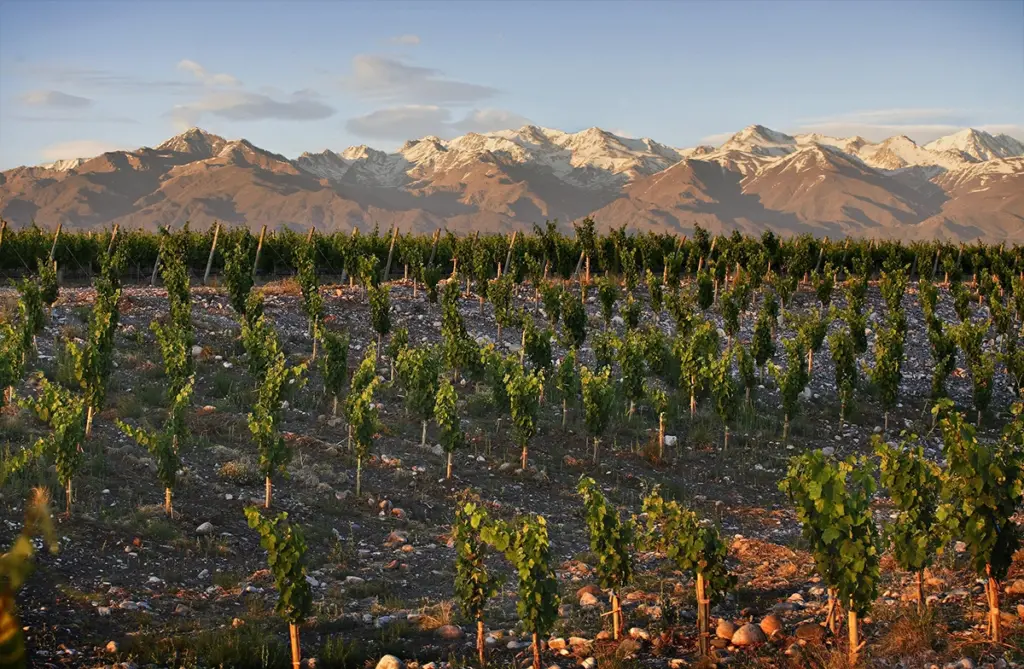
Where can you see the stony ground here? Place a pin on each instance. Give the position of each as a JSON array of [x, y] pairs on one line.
[[131, 586]]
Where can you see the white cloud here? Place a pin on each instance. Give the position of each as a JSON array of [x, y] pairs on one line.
[[79, 148], [54, 100], [401, 123], [625, 134], [205, 76], [407, 40], [716, 139], [406, 122], [389, 79], [922, 125], [488, 120], [246, 106]]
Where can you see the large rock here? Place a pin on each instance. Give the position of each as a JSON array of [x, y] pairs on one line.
[[450, 632], [587, 599], [725, 629], [389, 662], [592, 589], [812, 632], [1016, 588], [748, 635], [771, 625]]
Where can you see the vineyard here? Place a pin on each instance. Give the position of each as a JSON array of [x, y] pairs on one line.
[[573, 449]]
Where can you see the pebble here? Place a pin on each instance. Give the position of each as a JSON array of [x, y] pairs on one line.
[[450, 632], [725, 629], [112, 647], [748, 635], [671, 440], [587, 599], [771, 625], [639, 633], [589, 663], [389, 662], [203, 574], [205, 528], [810, 632]]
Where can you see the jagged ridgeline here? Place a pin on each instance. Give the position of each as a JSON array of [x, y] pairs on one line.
[[552, 250]]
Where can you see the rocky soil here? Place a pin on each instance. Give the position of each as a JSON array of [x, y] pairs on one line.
[[131, 587]]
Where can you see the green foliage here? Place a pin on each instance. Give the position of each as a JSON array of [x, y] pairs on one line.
[[286, 551], [165, 445], [656, 291], [529, 551], [824, 283], [914, 484], [794, 378], [238, 274], [524, 389], [551, 298], [474, 585], [49, 288], [380, 309], [459, 350], [419, 370], [309, 283], [695, 353], [746, 365], [632, 367], [64, 412], [762, 345], [608, 294], [833, 504], [705, 290], [266, 415], [574, 320], [501, 291], [334, 361], [810, 327], [693, 546], [176, 351], [446, 413], [631, 312], [982, 490], [259, 339], [567, 378], [886, 373], [844, 354], [724, 388], [961, 301], [538, 344], [731, 308], [610, 539], [364, 417], [598, 397], [497, 367], [16, 565]]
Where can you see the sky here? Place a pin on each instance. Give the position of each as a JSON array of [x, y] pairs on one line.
[[80, 77]]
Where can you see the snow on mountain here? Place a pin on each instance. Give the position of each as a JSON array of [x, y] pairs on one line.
[[899, 152], [980, 175], [760, 140], [978, 144], [194, 141], [64, 165]]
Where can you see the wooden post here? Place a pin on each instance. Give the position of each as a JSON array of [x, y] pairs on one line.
[[935, 265], [293, 633], [53, 247], [113, 236], [3, 229], [309, 237], [994, 622], [433, 247], [703, 611], [508, 256], [213, 249], [854, 641], [391, 253], [259, 248], [481, 644]]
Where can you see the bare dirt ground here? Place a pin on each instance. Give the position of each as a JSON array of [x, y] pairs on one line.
[[131, 586]]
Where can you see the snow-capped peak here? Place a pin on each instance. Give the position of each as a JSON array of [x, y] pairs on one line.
[[64, 164], [760, 140], [194, 141], [978, 144]]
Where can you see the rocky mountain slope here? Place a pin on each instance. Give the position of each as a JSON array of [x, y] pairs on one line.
[[963, 186]]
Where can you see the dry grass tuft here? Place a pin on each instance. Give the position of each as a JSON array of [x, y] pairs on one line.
[[286, 286], [438, 615]]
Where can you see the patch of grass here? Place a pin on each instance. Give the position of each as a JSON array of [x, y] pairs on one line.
[[128, 406], [908, 634], [367, 589], [250, 646], [226, 579], [479, 404], [222, 383], [151, 395], [438, 615], [286, 286], [336, 653], [241, 471]]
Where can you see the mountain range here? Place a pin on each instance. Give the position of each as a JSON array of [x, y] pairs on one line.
[[963, 186]]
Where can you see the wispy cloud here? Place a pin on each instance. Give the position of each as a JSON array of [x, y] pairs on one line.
[[411, 121], [717, 138], [920, 124], [98, 79], [79, 148], [407, 40], [54, 100], [243, 106], [205, 76], [391, 80], [489, 120]]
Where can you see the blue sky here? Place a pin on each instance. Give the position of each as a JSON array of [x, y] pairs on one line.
[[80, 77]]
